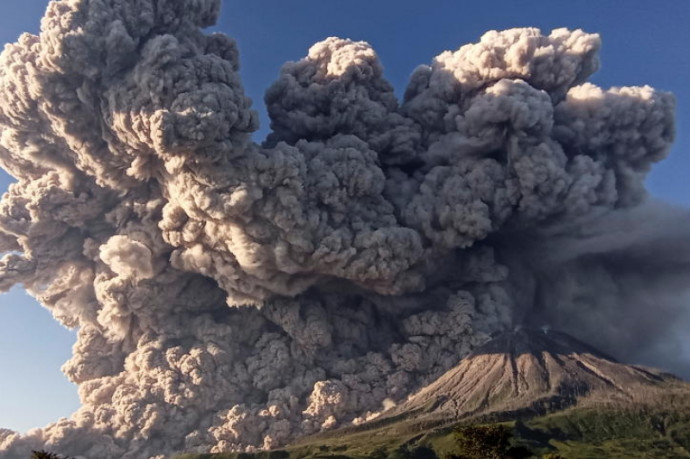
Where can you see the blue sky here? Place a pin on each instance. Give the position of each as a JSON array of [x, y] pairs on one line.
[[644, 43]]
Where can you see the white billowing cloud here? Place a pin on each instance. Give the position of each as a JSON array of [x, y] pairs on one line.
[[230, 295], [127, 258]]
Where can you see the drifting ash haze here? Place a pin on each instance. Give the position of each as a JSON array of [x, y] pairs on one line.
[[230, 295]]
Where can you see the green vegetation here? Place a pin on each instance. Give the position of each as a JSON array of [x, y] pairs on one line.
[[590, 433], [578, 433], [485, 442]]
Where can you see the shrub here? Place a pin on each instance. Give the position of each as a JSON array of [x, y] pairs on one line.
[[490, 442], [486, 442]]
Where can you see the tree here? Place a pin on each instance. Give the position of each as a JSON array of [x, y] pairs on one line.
[[482, 442]]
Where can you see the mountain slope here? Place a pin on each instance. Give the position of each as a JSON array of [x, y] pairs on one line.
[[534, 371]]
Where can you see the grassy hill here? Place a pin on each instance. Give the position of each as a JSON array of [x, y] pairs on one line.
[[576, 433]]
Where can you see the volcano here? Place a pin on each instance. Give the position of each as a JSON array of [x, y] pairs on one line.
[[533, 372], [552, 392]]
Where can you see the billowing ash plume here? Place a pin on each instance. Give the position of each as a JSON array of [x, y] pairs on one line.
[[230, 295]]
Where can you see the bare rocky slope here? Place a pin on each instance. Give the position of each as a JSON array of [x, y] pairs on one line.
[[535, 372]]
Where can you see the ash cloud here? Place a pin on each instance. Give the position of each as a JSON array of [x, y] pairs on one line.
[[231, 295]]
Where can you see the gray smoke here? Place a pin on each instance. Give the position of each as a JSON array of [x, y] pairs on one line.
[[230, 295]]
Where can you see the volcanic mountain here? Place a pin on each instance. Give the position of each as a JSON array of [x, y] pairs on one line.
[[552, 392], [532, 372]]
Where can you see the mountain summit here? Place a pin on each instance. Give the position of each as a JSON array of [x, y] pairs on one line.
[[534, 372]]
